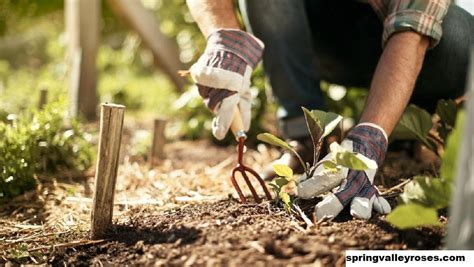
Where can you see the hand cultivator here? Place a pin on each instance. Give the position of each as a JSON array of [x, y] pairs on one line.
[[237, 129]]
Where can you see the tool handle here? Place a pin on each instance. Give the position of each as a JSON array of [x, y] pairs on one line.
[[237, 125]]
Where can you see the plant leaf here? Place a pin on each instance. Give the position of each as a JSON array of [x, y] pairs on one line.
[[415, 124], [413, 215], [283, 170], [354, 161], [273, 140], [447, 111], [328, 120], [428, 191], [285, 197], [448, 167], [350, 159], [280, 182], [330, 165], [315, 131], [274, 186]]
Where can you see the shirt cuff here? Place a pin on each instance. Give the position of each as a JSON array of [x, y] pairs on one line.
[[418, 21]]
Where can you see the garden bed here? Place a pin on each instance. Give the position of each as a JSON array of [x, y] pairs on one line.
[[184, 212]]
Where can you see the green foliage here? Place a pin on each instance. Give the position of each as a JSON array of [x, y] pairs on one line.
[[327, 120], [273, 140], [448, 168], [427, 191], [413, 215], [284, 179], [447, 111], [423, 196], [37, 142], [352, 161], [320, 124], [415, 124]]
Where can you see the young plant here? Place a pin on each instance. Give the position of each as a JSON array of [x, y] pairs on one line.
[[417, 124], [424, 196], [284, 184], [320, 124]]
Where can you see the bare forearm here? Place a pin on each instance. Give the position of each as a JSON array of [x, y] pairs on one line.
[[211, 15], [394, 79]]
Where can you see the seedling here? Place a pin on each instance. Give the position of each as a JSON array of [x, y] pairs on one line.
[[424, 196], [320, 124], [417, 124]]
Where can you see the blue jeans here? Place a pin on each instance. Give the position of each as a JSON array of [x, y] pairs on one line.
[[340, 41]]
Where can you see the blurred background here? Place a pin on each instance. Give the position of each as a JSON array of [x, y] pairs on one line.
[[75, 54]]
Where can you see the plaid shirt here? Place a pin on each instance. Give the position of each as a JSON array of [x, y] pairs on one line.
[[422, 16]]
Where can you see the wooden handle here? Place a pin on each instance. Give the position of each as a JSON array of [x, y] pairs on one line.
[[237, 123]]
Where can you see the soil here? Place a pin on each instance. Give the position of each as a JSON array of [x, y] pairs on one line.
[[227, 233], [184, 212]]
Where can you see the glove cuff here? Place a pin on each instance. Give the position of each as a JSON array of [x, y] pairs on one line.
[[369, 140], [240, 43]]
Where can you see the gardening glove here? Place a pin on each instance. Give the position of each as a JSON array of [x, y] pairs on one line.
[[222, 75], [356, 188]]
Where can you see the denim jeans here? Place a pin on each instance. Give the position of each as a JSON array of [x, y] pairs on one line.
[[339, 41]]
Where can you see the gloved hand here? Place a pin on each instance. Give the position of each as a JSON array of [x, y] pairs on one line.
[[356, 188], [222, 75]]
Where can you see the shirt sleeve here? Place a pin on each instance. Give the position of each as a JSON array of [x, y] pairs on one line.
[[422, 16]]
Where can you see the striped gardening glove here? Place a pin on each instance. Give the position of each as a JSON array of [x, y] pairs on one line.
[[222, 75], [356, 187]]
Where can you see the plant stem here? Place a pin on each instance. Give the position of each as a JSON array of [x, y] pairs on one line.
[[301, 161]]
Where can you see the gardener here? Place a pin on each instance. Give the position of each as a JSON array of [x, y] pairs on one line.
[[402, 50]]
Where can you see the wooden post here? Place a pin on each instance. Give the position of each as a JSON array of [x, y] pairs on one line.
[[461, 220], [158, 143], [111, 125], [82, 19], [43, 99]]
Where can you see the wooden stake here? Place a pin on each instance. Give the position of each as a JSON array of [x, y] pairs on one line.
[[43, 99], [111, 125], [158, 143]]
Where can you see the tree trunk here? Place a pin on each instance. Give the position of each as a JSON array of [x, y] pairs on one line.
[[164, 49]]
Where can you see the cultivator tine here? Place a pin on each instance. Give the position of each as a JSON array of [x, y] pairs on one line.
[[250, 186], [242, 169], [262, 183], [237, 129], [237, 187]]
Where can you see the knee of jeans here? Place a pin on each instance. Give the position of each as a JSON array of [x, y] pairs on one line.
[[272, 19], [458, 30]]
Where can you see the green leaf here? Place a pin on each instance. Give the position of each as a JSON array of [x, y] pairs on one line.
[[315, 131], [428, 191], [448, 167], [351, 160], [275, 187], [447, 111], [273, 140], [330, 165], [413, 215], [280, 182], [414, 124], [328, 120], [283, 170], [285, 197]]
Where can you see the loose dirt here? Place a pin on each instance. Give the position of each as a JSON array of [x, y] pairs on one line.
[[184, 212]]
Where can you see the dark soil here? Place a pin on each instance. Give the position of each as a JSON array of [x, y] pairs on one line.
[[227, 233], [200, 233]]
